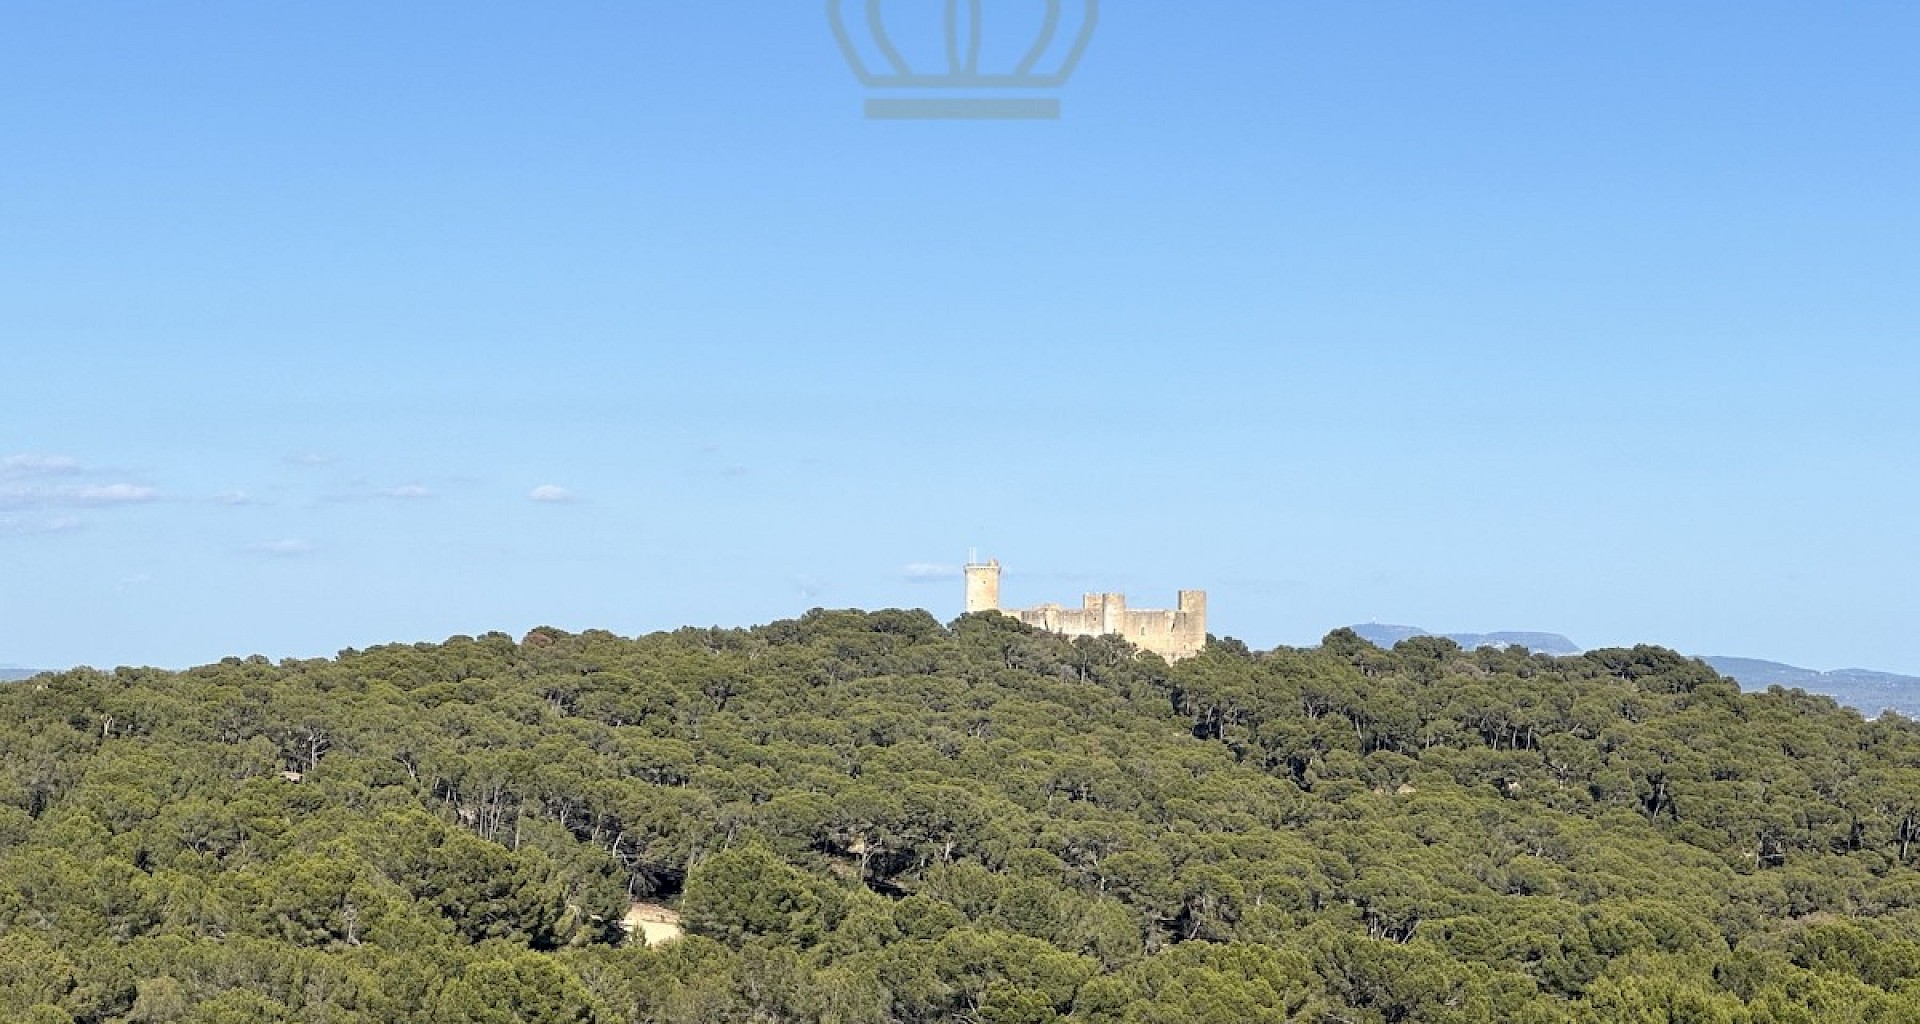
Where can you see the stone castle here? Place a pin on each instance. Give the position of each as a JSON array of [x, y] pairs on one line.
[[1173, 635]]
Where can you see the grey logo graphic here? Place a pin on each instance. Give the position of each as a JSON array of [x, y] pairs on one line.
[[964, 63]]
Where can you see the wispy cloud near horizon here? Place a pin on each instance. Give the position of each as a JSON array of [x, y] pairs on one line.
[[39, 465], [552, 494], [15, 526], [42, 483], [930, 572], [111, 494], [362, 493]]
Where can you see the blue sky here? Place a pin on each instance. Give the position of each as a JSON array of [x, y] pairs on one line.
[[1594, 319]]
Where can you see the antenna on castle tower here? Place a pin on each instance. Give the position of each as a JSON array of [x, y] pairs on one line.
[[973, 556]]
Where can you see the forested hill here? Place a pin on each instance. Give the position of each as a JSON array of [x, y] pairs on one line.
[[877, 818]]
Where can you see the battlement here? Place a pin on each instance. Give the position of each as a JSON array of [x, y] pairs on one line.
[[1173, 635]]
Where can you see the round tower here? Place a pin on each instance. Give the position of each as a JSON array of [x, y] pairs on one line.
[[983, 586]]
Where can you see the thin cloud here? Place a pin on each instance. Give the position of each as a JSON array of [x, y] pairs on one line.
[[363, 493], [39, 465], [552, 494], [930, 572], [22, 497], [310, 459], [15, 526], [40, 496], [289, 548], [237, 499], [112, 494], [41, 490], [38, 482]]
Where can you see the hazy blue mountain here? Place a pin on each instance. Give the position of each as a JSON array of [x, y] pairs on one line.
[[14, 675], [1382, 635], [1865, 690], [1757, 674], [1869, 691], [1539, 643], [1386, 635]]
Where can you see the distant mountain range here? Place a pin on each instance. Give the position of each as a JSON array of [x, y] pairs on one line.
[[1871, 692], [1383, 635], [14, 675], [1868, 691]]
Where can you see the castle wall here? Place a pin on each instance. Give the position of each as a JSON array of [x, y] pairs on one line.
[[1181, 633], [1171, 634]]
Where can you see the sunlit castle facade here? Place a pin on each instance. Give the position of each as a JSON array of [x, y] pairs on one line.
[[1173, 635]]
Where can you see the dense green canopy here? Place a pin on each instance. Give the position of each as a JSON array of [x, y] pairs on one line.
[[871, 818]]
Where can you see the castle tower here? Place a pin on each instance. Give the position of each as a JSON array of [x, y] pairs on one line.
[[983, 586]]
